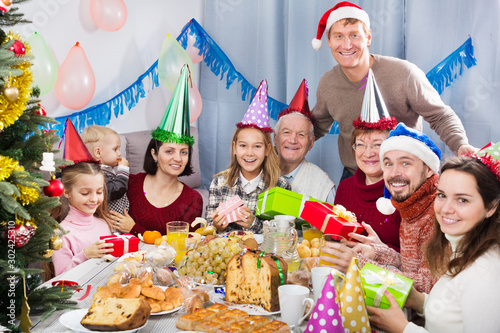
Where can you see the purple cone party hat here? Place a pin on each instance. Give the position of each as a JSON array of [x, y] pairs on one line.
[[174, 127], [326, 315], [352, 301], [374, 114], [257, 115], [299, 102]]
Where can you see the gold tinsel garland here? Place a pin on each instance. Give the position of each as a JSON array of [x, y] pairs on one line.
[[7, 165], [11, 111]]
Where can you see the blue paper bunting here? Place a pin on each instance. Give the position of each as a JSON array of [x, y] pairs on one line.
[[444, 73], [440, 77]]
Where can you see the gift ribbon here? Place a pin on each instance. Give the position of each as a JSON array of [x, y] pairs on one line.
[[302, 203], [280, 270], [126, 239], [87, 292], [386, 281], [327, 219], [263, 207]]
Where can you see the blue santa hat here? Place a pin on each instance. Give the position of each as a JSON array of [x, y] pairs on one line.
[[414, 142]]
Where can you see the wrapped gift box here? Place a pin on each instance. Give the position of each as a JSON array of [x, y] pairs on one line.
[[122, 244], [330, 219], [376, 280], [231, 209], [279, 201]]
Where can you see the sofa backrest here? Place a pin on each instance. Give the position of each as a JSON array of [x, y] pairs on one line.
[[134, 146]]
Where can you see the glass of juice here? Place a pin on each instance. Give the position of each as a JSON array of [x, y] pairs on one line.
[[329, 241], [176, 230], [181, 246], [309, 232]]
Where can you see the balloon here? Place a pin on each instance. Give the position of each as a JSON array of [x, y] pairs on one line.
[[109, 15], [193, 51], [44, 66], [172, 58], [195, 103], [75, 84]]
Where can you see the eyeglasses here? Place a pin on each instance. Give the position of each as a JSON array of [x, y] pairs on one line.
[[361, 147]]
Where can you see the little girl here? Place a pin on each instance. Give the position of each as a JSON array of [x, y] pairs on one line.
[[85, 190], [253, 169]]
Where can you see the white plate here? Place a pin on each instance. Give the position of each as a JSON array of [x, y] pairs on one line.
[[72, 320], [166, 312], [253, 310]]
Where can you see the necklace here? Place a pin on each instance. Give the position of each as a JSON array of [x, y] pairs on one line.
[[155, 195]]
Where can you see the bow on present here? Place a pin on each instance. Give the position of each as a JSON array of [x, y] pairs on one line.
[[339, 211], [386, 280]]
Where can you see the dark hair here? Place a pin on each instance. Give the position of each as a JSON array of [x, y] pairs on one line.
[[482, 237], [151, 166]]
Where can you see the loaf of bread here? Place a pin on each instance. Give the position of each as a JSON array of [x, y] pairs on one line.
[[116, 314], [253, 278]]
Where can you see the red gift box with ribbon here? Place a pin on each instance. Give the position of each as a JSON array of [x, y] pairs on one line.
[[331, 219], [122, 244]]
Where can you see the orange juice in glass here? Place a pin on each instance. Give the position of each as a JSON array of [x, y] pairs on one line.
[[325, 241], [309, 232], [181, 246], [177, 230]]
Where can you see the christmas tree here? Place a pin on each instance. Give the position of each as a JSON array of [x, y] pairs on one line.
[[28, 230]]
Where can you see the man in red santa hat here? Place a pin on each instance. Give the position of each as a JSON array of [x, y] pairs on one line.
[[408, 94]]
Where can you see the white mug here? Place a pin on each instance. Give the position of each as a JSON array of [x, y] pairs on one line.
[[293, 300], [319, 276]]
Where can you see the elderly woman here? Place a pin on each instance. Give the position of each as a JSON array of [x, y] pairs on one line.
[[157, 196], [359, 193]]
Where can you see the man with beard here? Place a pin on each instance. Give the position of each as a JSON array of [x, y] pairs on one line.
[[410, 161]]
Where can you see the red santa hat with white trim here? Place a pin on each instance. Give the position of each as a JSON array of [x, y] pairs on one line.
[[341, 11]]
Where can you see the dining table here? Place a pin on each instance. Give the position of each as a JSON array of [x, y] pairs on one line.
[[93, 274]]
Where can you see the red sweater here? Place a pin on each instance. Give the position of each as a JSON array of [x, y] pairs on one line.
[[186, 207], [359, 198]]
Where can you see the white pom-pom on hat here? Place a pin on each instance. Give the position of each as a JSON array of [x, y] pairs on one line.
[[385, 206], [316, 43]]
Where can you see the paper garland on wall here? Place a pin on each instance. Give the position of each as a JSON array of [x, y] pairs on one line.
[[440, 76]]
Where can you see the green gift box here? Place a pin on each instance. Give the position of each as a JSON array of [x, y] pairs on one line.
[[376, 280], [278, 201]]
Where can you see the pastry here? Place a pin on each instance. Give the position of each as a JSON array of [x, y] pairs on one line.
[[154, 293]]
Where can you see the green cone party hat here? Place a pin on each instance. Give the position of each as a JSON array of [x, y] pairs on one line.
[[174, 126]]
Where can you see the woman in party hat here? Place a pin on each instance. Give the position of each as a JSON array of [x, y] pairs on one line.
[[84, 213], [465, 252], [157, 196], [253, 169], [359, 194]]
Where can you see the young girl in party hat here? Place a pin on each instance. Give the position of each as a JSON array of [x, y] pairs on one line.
[[253, 169], [85, 192]]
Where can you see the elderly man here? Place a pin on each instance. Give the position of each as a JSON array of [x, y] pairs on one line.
[[409, 95], [294, 137], [410, 161]]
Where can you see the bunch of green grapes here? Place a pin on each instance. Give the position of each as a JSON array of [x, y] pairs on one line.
[[207, 263]]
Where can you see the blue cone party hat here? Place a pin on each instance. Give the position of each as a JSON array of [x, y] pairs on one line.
[[257, 115], [174, 126]]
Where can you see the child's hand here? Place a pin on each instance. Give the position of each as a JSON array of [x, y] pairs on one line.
[[219, 221], [122, 161], [98, 249], [247, 217]]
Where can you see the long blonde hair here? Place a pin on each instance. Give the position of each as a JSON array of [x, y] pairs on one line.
[[270, 166]]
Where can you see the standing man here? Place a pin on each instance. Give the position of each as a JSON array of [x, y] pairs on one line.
[[294, 137], [409, 95]]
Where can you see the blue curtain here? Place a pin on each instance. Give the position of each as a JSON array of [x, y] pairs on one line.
[[271, 39]]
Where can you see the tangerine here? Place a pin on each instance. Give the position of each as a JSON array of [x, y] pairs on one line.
[[149, 237]]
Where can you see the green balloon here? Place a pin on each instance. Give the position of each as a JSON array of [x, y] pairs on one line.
[[44, 66], [172, 58]]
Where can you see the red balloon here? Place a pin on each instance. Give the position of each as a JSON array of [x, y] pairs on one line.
[[195, 103], [55, 188], [109, 15]]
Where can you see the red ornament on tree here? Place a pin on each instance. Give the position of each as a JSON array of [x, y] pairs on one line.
[[55, 189], [18, 48], [41, 111], [21, 234]]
